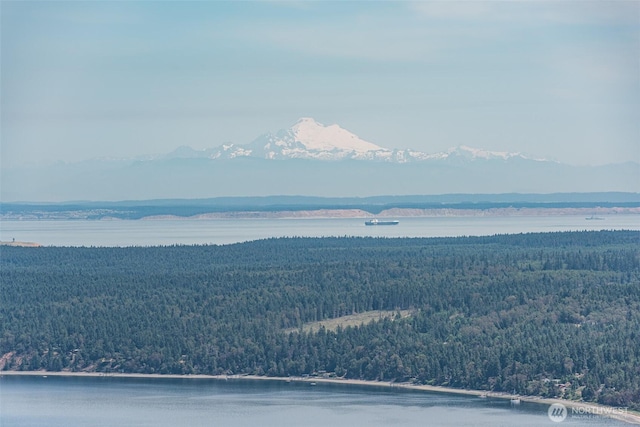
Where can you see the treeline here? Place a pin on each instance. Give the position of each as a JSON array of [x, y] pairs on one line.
[[554, 314], [137, 209]]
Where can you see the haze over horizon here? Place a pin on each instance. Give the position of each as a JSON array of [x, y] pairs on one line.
[[555, 80]]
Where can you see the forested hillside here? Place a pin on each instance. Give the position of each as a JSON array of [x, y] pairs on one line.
[[553, 314]]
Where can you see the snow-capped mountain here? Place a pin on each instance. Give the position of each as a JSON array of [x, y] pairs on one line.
[[308, 139], [369, 170], [470, 153]]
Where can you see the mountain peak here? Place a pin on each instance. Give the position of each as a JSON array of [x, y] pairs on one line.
[[306, 121], [465, 151], [309, 139], [476, 153], [315, 136]]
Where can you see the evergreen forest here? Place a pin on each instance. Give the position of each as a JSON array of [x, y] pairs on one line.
[[545, 314]]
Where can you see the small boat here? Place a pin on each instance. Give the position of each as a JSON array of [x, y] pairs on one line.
[[593, 217], [378, 222], [515, 400]]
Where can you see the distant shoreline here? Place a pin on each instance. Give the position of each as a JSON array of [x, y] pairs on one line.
[[356, 213], [630, 417], [21, 244], [406, 213]]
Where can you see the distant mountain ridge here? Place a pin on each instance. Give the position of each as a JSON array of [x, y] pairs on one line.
[[309, 159], [308, 139]]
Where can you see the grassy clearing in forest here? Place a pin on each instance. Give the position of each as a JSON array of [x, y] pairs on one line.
[[357, 319]]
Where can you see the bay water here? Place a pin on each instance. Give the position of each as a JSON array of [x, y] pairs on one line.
[[159, 402], [227, 231]]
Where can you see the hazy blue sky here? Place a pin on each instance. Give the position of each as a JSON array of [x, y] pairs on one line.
[[87, 79]]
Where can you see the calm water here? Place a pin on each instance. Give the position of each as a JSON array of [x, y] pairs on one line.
[[168, 232], [93, 402]]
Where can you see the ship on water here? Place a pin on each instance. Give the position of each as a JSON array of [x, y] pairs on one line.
[[378, 222]]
